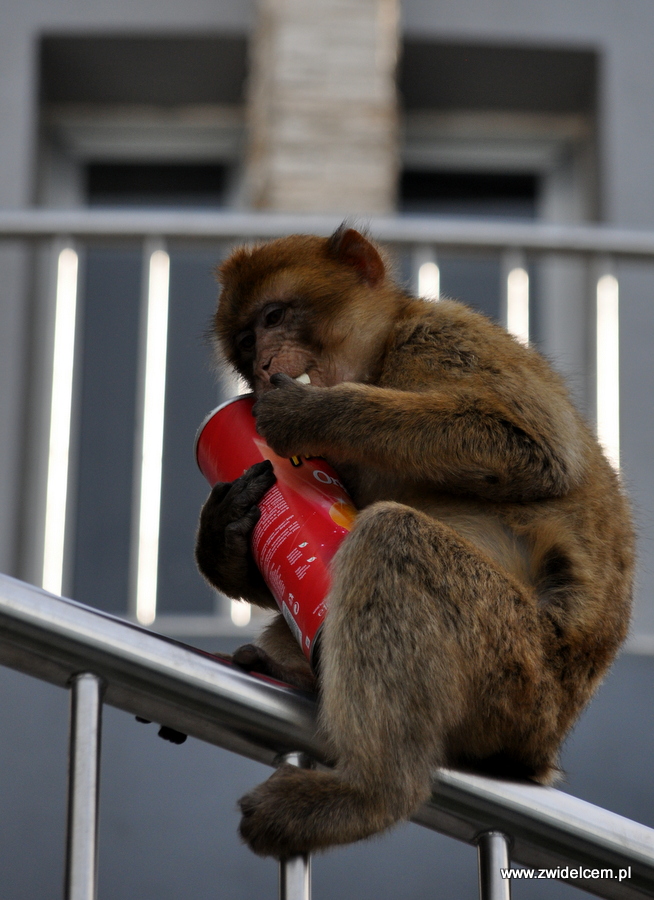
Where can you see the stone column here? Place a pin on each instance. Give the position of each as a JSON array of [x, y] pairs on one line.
[[322, 107]]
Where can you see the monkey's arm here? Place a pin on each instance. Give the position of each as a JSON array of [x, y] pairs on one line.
[[224, 557], [222, 549], [463, 437]]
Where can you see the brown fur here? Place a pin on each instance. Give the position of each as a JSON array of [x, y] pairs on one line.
[[486, 585]]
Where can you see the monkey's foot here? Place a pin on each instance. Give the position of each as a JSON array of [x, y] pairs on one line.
[[253, 659], [300, 811], [274, 814]]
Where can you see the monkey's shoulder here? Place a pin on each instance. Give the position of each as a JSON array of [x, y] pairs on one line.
[[450, 339]]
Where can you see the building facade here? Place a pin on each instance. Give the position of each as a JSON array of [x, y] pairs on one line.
[[507, 109]]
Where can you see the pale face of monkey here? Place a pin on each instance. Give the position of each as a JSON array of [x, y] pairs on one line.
[[275, 341], [304, 306]]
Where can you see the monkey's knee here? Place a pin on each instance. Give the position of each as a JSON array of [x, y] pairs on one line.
[[389, 541], [390, 666], [419, 625], [411, 570], [381, 518]]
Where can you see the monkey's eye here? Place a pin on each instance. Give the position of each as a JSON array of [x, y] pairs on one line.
[[274, 315], [246, 341]]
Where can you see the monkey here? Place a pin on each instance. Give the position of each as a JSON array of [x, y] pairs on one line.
[[485, 586]]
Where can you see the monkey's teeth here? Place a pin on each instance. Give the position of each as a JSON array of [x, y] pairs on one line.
[[303, 379]]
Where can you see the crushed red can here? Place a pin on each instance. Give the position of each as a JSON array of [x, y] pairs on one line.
[[304, 516]]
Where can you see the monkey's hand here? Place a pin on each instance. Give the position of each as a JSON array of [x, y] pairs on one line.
[[286, 416], [222, 549]]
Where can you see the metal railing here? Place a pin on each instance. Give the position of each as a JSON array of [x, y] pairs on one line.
[[590, 240], [103, 659]]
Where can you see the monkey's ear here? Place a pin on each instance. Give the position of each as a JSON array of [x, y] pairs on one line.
[[352, 249]]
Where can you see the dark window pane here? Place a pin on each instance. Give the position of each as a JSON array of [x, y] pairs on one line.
[[106, 447], [469, 193], [191, 392], [156, 184]]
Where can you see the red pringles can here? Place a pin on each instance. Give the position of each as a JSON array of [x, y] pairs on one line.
[[304, 516]]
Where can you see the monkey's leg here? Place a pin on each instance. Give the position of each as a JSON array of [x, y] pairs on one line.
[[277, 653], [422, 633]]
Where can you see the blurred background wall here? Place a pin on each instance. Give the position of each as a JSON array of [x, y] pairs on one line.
[[496, 109]]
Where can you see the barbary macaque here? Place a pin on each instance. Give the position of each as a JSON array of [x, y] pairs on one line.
[[486, 584]]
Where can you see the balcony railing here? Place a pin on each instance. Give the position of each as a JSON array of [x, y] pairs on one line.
[[103, 659], [420, 239], [591, 240]]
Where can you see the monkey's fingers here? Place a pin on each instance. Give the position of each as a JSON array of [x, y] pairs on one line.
[[218, 492], [285, 389], [285, 415], [253, 659], [239, 530], [259, 471], [256, 470], [247, 491], [256, 481], [285, 381], [273, 813]]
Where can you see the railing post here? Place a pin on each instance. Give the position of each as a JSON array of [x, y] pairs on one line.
[[426, 274], [295, 872], [493, 855], [514, 294], [83, 785]]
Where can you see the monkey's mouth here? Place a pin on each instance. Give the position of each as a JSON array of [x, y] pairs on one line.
[[303, 379]]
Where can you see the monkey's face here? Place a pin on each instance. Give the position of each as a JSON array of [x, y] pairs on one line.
[[283, 334], [304, 306]]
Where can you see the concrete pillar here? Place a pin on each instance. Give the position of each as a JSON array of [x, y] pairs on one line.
[[322, 107]]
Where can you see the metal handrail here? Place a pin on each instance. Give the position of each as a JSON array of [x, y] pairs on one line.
[[191, 691], [405, 229]]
